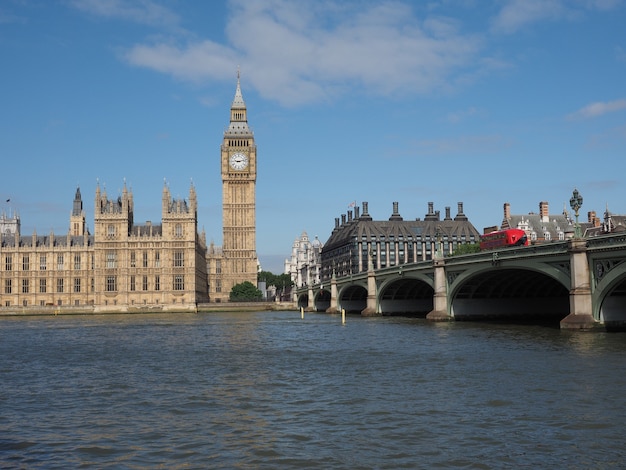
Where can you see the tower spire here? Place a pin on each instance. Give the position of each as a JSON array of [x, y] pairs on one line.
[[238, 102]]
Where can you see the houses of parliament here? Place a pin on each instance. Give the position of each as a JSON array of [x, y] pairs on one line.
[[125, 267]]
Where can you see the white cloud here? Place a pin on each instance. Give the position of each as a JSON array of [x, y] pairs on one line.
[[307, 51], [516, 14], [598, 109], [139, 11]]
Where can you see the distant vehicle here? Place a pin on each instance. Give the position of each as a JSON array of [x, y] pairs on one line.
[[503, 238]]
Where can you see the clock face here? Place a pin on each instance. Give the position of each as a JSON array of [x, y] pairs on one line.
[[238, 161]]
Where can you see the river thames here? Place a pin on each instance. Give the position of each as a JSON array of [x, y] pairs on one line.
[[271, 390]]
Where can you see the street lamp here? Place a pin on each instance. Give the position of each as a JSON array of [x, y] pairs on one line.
[[576, 202]]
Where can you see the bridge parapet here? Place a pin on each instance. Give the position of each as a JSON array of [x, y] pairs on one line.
[[583, 279]]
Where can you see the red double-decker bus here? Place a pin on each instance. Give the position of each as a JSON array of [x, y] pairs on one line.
[[503, 238]]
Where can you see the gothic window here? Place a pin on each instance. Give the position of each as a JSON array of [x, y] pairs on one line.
[[110, 259], [145, 259], [59, 262], [42, 286], [77, 285], [132, 259], [25, 263], [144, 283], [132, 283], [178, 231], [157, 259], [179, 259], [179, 282], [7, 286], [60, 286], [8, 263], [111, 284], [42, 262], [111, 231], [77, 262], [24, 286], [157, 282]]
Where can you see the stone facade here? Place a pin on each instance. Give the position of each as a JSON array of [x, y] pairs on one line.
[[305, 264], [125, 266], [120, 267], [236, 260]]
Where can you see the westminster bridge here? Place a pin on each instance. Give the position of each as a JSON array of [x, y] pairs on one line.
[[579, 283]]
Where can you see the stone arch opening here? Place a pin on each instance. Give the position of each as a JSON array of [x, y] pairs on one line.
[[613, 306], [353, 299], [406, 296], [512, 294], [322, 301]]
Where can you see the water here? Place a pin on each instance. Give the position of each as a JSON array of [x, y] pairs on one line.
[[270, 390]]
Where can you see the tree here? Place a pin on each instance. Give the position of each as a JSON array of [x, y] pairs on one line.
[[466, 248], [245, 292], [280, 281]]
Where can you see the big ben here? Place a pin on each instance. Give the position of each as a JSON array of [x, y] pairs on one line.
[[238, 168]]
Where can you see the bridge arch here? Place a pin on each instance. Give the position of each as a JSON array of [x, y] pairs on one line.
[[610, 295], [516, 292], [303, 301], [407, 295], [321, 300], [352, 298]]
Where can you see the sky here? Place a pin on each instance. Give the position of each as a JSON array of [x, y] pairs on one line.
[[475, 101]]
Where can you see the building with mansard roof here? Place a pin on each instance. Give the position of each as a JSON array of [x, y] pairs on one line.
[[358, 240]]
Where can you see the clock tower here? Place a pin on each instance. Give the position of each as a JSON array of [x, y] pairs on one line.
[[238, 168]]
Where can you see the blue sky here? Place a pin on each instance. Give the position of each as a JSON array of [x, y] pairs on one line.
[[478, 101]]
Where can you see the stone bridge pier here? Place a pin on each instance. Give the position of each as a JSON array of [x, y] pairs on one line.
[[578, 283]]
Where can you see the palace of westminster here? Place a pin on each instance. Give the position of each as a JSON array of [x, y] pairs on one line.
[[124, 266]]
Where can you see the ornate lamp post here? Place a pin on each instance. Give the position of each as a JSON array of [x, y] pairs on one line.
[[576, 202]]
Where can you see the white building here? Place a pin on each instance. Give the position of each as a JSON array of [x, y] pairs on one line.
[[305, 263]]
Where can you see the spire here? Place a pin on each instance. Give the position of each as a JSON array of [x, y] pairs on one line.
[[238, 126], [77, 209], [238, 101]]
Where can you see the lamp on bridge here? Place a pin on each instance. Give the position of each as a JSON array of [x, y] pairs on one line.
[[576, 202]]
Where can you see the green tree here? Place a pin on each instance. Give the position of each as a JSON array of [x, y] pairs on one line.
[[245, 292], [466, 249], [280, 281]]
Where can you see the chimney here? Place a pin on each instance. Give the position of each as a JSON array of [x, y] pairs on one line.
[[544, 212], [336, 222], [343, 219], [460, 215], [448, 213], [507, 211], [593, 219], [356, 212], [432, 215], [365, 215], [395, 215], [349, 216]]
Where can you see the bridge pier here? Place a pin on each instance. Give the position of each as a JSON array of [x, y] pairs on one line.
[[580, 299], [311, 303], [333, 296], [440, 297], [371, 309]]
